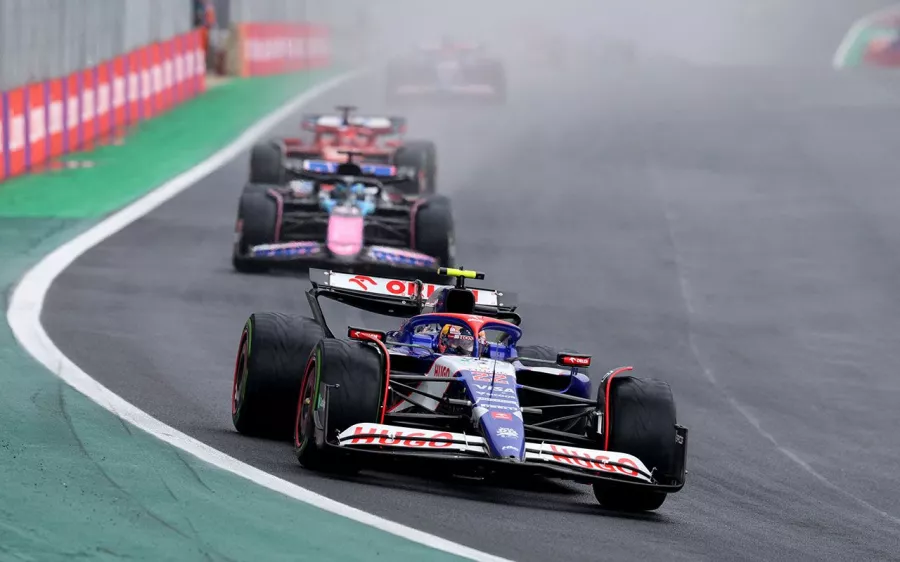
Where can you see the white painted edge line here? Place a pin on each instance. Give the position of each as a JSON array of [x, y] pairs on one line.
[[27, 302], [849, 40]]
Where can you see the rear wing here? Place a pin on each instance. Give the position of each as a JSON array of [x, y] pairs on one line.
[[394, 297], [326, 123], [398, 288], [324, 167]]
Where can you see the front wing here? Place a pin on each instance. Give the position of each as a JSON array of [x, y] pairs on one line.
[[576, 463], [316, 254]]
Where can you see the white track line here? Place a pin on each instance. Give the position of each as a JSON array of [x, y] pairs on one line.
[[27, 302], [847, 44]]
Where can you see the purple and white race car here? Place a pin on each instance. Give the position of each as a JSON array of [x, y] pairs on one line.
[[452, 387]]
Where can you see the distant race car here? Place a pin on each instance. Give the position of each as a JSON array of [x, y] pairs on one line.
[[446, 71], [378, 139], [338, 216], [452, 385]]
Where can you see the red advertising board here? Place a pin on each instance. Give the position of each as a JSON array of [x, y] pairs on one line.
[[166, 66], [119, 93], [56, 122], [187, 60], [196, 56], [135, 106], [104, 99], [277, 48], [156, 78], [179, 89], [15, 131], [200, 61], [4, 153], [88, 107], [48, 119], [318, 46], [145, 60], [72, 113], [36, 126]]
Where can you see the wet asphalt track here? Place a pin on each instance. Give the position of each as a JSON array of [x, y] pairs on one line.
[[732, 231]]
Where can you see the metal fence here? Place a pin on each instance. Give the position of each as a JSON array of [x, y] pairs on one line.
[[234, 11], [42, 39]]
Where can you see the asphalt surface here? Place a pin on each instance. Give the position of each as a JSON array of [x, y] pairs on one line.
[[730, 230]]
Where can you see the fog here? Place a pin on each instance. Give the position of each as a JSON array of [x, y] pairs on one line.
[[703, 32]]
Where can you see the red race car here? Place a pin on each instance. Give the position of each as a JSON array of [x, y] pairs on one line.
[[378, 139]]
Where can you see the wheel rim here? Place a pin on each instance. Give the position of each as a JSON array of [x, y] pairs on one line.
[[240, 375], [304, 404]]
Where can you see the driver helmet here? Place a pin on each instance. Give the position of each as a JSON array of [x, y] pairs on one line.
[[453, 341]]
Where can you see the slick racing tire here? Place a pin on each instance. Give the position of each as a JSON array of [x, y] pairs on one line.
[[353, 373], [268, 370], [433, 232], [256, 221], [422, 157], [266, 164], [642, 423], [542, 353]]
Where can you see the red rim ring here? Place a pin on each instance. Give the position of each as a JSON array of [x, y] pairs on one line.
[[239, 368], [302, 418]]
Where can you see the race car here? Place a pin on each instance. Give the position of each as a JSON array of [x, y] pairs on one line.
[[453, 385], [340, 217], [378, 139], [446, 71]]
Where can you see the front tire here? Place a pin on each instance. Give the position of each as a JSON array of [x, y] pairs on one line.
[[353, 372], [257, 220], [422, 156], [273, 349], [642, 423]]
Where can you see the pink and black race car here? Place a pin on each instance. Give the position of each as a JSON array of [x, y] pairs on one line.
[[342, 218]]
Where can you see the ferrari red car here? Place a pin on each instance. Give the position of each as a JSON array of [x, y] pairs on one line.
[[379, 140]]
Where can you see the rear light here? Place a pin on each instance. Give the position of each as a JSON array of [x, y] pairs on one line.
[[573, 360], [364, 335]]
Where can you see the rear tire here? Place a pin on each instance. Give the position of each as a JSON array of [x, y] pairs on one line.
[[434, 233], [354, 373], [547, 353], [267, 164], [257, 218], [642, 423], [421, 155], [273, 350], [544, 353]]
